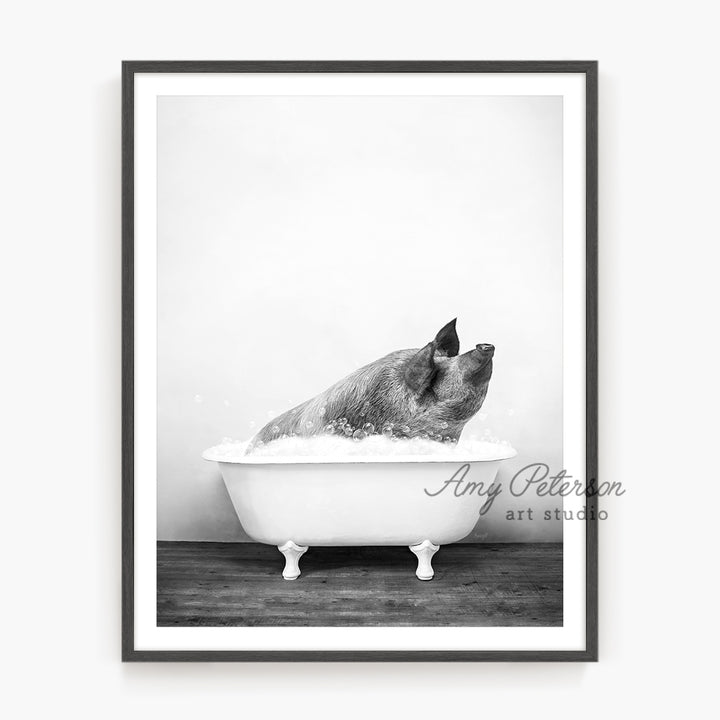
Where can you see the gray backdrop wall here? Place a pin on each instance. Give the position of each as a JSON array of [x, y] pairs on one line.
[[300, 238]]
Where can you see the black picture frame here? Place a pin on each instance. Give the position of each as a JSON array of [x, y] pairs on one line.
[[129, 69]]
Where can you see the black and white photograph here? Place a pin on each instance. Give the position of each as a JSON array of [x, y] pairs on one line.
[[362, 300], [363, 297]]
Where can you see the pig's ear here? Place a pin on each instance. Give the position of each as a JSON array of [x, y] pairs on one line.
[[420, 370], [447, 341]]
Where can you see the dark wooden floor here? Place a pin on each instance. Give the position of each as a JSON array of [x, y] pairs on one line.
[[231, 584]]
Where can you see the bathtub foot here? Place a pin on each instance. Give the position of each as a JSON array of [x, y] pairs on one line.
[[424, 551], [292, 553]]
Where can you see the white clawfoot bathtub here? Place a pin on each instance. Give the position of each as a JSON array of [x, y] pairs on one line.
[[297, 502]]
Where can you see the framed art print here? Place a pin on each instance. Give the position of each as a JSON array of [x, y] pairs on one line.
[[359, 361]]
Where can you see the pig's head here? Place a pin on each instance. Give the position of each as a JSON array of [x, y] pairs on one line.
[[446, 389]]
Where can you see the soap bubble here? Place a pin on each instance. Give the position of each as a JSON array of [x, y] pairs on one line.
[[347, 429], [387, 430], [329, 428], [342, 421], [444, 425], [359, 435], [368, 428], [405, 429]]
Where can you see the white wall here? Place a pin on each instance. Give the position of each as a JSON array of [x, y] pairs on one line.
[[300, 238], [60, 227]]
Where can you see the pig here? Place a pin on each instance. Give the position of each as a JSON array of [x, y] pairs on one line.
[[430, 392]]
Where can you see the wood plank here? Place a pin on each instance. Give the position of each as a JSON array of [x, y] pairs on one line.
[[240, 584]]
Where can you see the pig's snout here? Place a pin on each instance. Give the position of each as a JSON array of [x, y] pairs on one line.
[[479, 362]]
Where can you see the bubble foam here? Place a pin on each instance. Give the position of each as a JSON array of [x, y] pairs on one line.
[[373, 448]]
